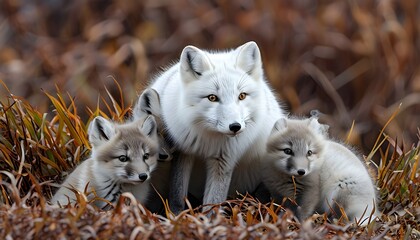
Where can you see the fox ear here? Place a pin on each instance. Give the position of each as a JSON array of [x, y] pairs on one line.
[[193, 63], [149, 127], [148, 104], [279, 126], [100, 130], [319, 128], [249, 59]]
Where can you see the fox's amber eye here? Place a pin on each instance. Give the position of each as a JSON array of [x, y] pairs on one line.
[[242, 96], [212, 98], [288, 151], [123, 158], [145, 156], [309, 153]]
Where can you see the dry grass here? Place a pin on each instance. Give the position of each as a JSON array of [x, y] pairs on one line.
[[353, 60], [42, 145], [35, 151]]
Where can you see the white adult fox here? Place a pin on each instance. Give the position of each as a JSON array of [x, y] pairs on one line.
[[123, 157], [305, 166], [218, 111]]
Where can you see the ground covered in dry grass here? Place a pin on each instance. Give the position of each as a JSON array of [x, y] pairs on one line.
[[247, 219], [36, 148], [352, 60]]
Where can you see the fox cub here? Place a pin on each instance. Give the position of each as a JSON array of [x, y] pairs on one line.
[[316, 173], [149, 104], [123, 157]]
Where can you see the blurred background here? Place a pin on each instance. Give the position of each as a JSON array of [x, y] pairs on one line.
[[352, 60]]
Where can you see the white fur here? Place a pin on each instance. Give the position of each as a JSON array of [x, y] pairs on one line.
[[345, 179], [104, 175], [333, 174], [200, 128]]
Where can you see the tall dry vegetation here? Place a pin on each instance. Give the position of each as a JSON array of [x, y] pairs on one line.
[[36, 151], [352, 60]]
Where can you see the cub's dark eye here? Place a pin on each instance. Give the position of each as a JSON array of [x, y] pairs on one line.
[[145, 156], [212, 98], [123, 158], [242, 96], [309, 153], [288, 151]]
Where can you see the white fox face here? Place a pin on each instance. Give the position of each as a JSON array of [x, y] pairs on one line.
[[128, 152], [222, 88], [295, 146]]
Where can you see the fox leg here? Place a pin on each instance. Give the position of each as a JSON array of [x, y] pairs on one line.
[[307, 204], [180, 177], [219, 175]]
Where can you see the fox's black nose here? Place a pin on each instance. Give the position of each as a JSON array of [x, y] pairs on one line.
[[143, 177], [301, 172], [235, 127]]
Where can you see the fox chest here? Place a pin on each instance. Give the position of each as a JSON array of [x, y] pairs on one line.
[[207, 147]]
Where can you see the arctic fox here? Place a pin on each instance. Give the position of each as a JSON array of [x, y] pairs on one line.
[[302, 164], [123, 157], [149, 104], [218, 111]]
